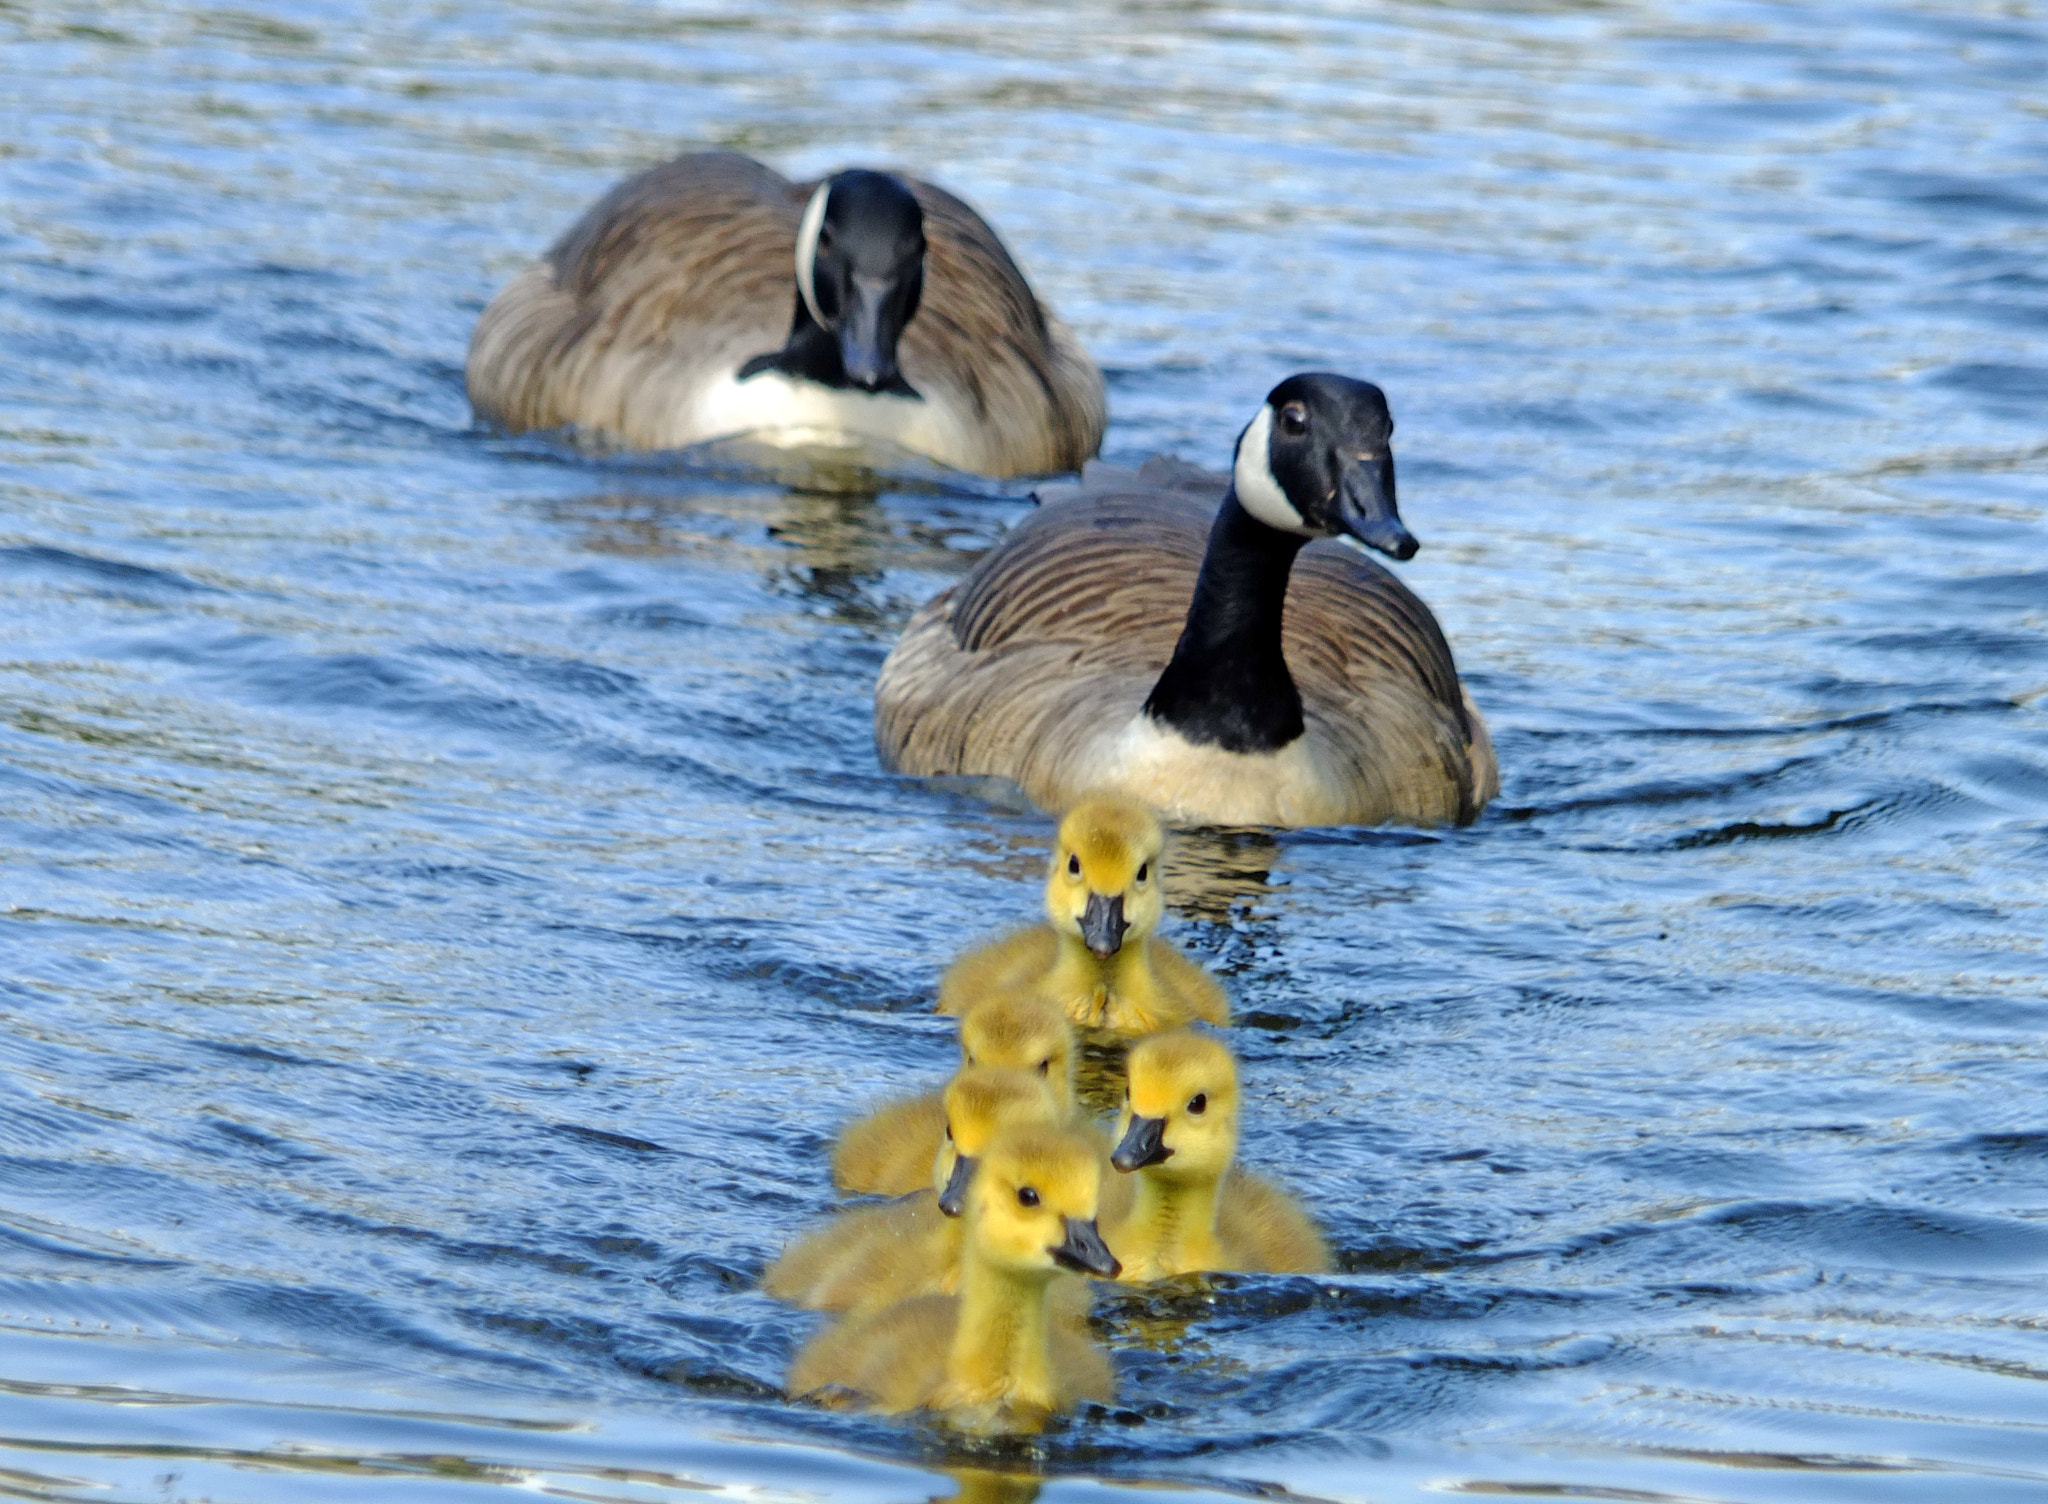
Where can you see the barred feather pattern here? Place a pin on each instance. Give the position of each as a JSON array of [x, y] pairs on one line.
[[678, 276], [1026, 667]]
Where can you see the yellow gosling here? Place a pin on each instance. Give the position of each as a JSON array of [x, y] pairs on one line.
[[973, 1117], [873, 1255], [990, 1358], [1193, 1211], [1097, 957], [889, 1152]]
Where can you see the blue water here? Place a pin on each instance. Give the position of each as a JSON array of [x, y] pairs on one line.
[[450, 898]]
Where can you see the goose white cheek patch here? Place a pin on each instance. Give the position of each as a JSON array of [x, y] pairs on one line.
[[807, 249], [1257, 491]]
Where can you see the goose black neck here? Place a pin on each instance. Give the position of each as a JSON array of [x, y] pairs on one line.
[[812, 353], [1228, 684], [809, 354]]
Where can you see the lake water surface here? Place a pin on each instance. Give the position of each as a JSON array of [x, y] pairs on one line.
[[448, 898]]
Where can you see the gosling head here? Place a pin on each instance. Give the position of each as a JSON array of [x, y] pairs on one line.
[[1023, 1033], [981, 1101], [1103, 884], [1318, 461], [1180, 1118], [1031, 1209], [860, 270]]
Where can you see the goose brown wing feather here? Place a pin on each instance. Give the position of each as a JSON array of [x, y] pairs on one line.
[[684, 214], [1015, 712], [981, 331], [1112, 568], [684, 266]]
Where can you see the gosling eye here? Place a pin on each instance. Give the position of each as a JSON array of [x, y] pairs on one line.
[[949, 1133], [1198, 1103], [1074, 865], [1045, 1066], [1294, 420], [1026, 1196], [1143, 869]]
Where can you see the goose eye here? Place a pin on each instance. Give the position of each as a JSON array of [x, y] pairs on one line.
[[1294, 420], [1198, 1103], [1074, 865], [1144, 868], [1026, 1196]]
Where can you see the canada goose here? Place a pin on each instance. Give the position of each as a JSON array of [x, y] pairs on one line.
[[1193, 1211], [1055, 662], [872, 1255], [889, 1151], [663, 318], [1097, 959], [992, 1357]]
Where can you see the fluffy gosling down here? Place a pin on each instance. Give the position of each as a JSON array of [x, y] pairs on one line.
[[1193, 1211], [1097, 957], [889, 1151], [873, 1255], [990, 1358]]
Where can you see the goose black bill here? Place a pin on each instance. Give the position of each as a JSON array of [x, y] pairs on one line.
[[1366, 506]]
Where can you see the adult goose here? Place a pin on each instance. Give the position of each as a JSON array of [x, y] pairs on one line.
[[711, 297], [1255, 679]]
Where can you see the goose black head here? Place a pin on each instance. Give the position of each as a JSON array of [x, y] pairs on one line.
[[860, 270], [1318, 461]]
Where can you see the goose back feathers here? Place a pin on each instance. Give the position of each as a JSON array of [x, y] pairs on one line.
[[1046, 663], [648, 322]]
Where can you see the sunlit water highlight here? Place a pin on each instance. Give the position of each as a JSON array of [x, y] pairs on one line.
[[451, 898]]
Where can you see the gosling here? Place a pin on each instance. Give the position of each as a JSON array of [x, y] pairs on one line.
[[1193, 1211], [874, 1255], [991, 1358], [1097, 956], [889, 1152]]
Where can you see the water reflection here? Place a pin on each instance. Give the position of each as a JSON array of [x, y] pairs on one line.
[[1215, 875], [973, 1485], [833, 549]]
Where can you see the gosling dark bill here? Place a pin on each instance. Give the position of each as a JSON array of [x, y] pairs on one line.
[[953, 1199], [1144, 1143], [1103, 925], [1084, 1251]]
